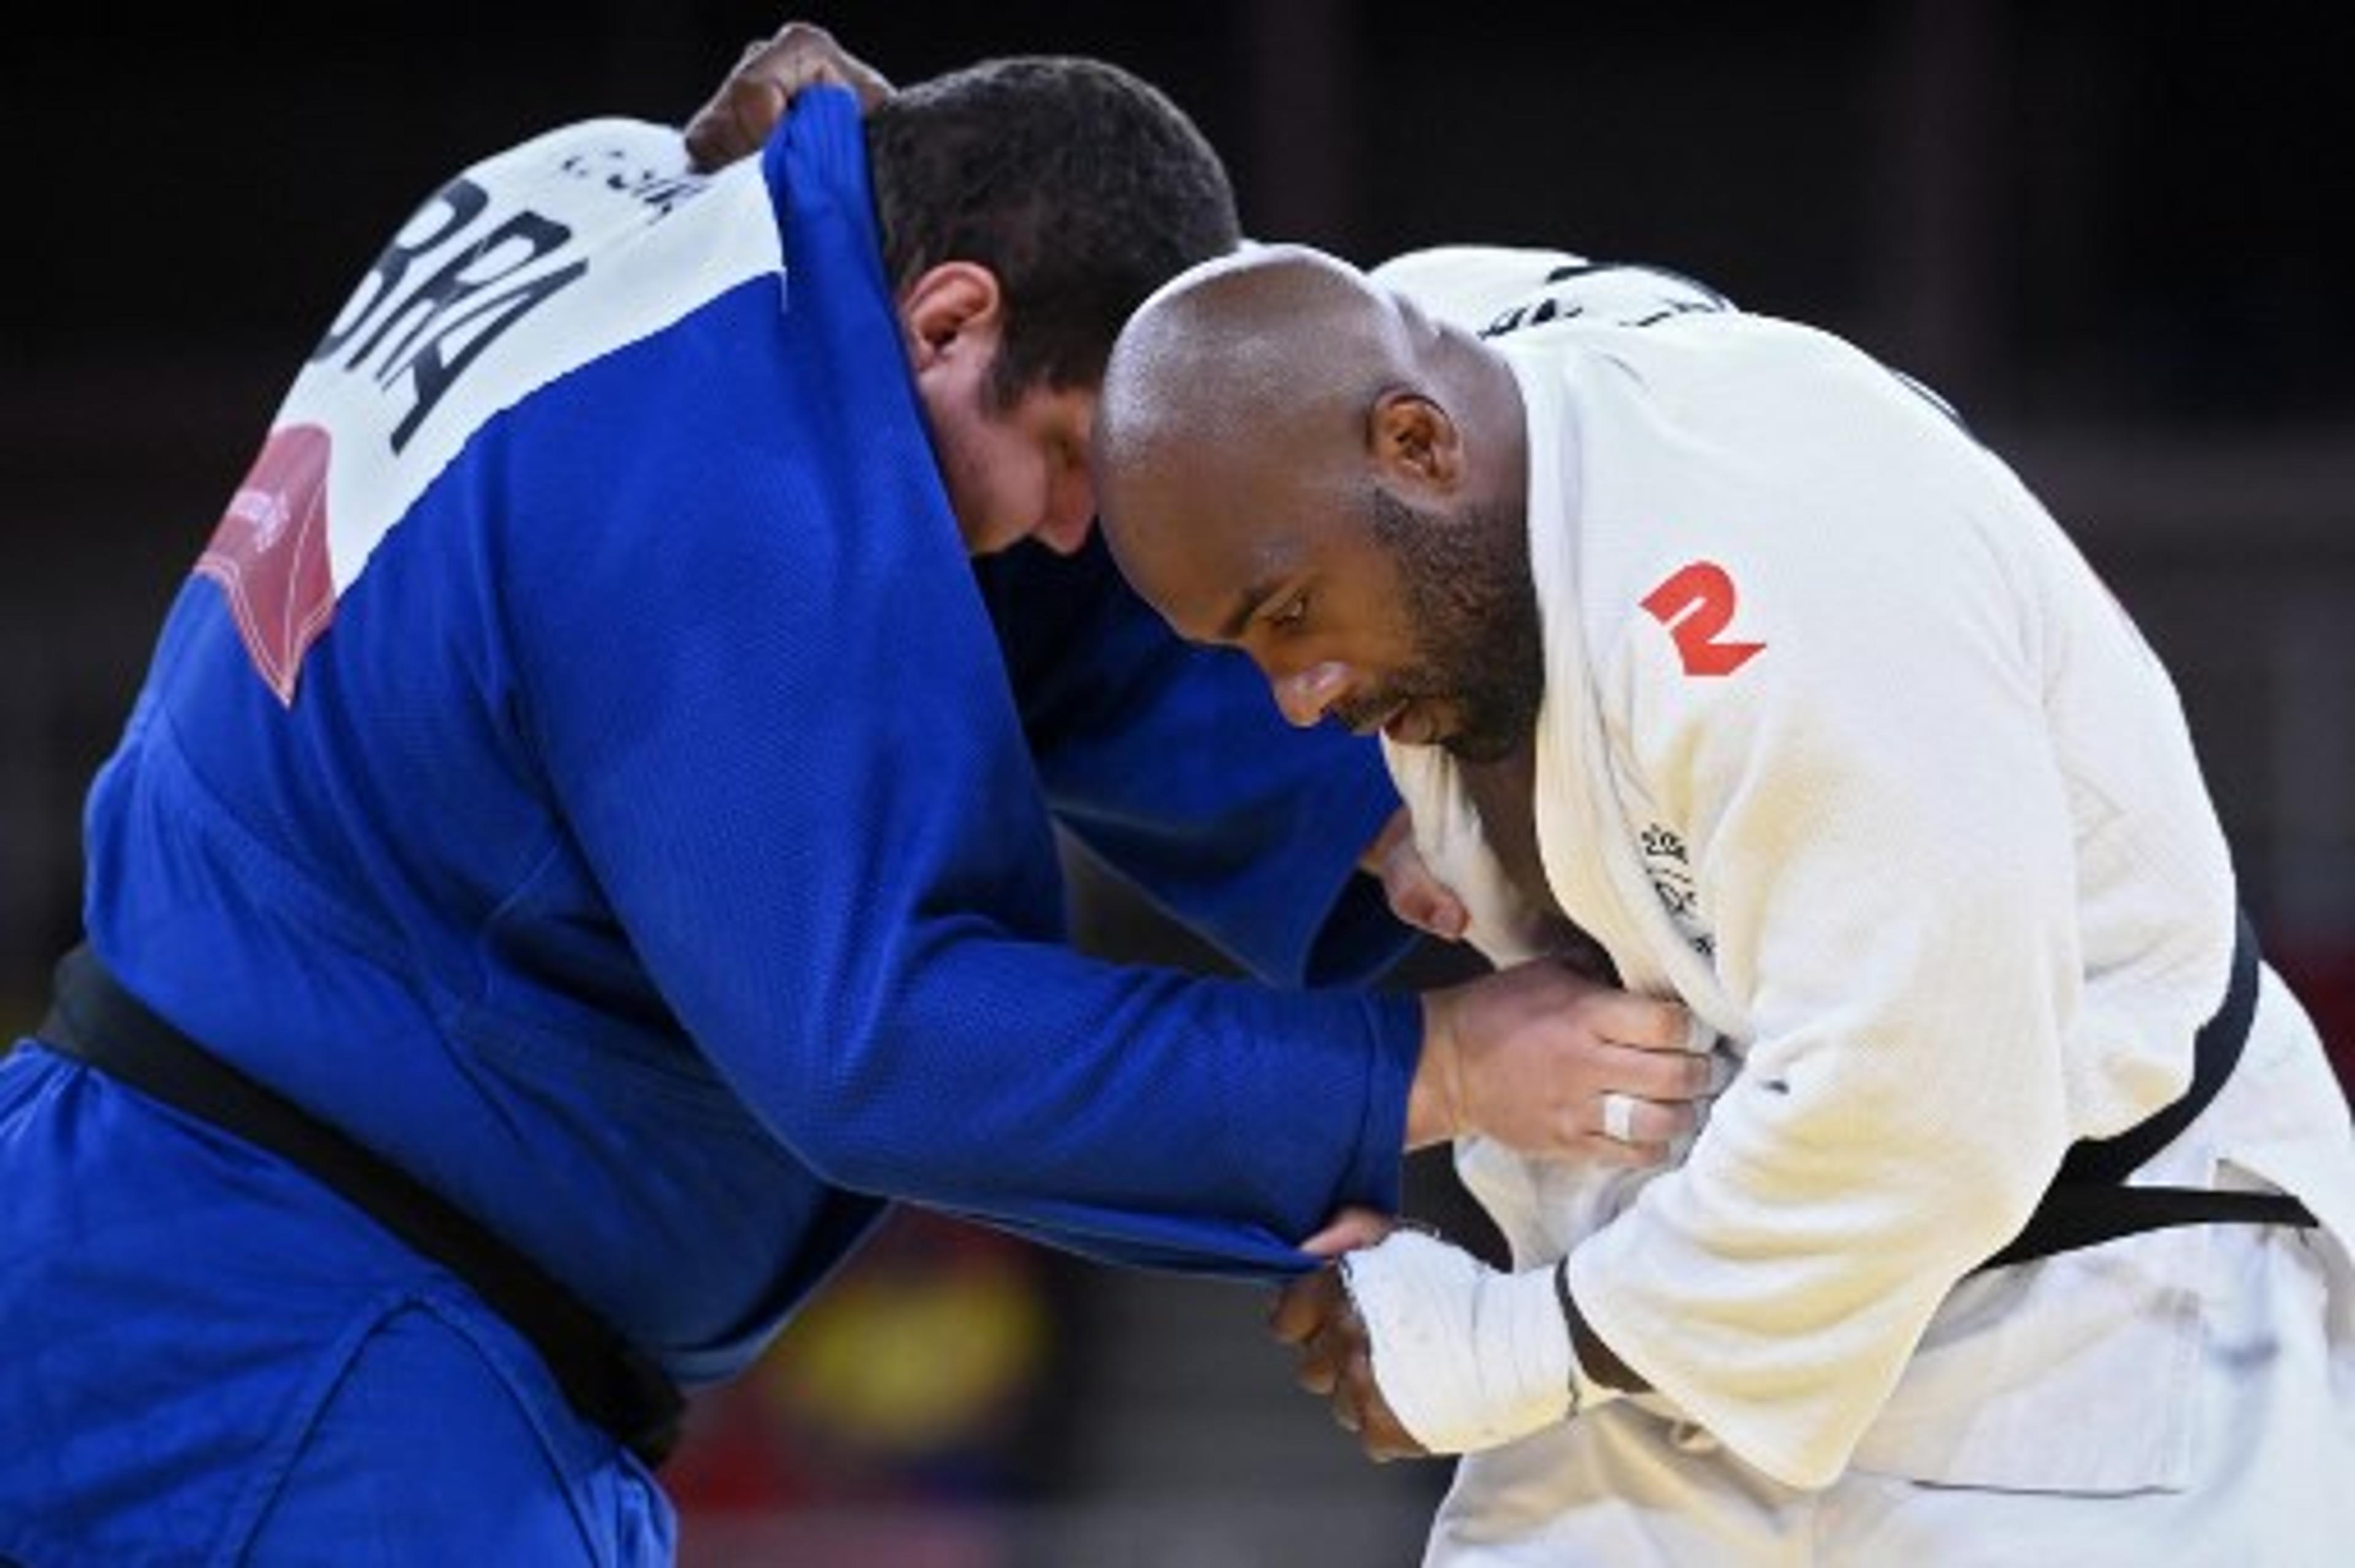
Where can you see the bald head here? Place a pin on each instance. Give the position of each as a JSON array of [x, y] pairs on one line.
[[1278, 338], [1281, 445], [1237, 395]]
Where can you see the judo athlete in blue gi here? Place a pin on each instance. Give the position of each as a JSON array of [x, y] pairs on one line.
[[584, 847]]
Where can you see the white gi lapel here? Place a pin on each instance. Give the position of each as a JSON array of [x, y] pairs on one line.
[[1586, 836], [1502, 927]]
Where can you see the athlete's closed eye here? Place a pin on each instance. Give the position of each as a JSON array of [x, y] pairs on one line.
[[1289, 612]]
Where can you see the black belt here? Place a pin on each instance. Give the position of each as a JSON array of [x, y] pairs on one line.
[[95, 1021], [2089, 1200]]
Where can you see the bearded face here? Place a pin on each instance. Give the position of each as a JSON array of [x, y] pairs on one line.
[[1471, 610]]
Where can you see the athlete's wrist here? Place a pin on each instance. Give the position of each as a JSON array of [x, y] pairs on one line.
[[1466, 1358], [1586, 1391], [1597, 1375], [1434, 1098]]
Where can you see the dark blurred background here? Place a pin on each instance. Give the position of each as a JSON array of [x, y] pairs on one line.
[[2113, 233]]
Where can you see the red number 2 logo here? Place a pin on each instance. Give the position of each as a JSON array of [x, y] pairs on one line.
[[1695, 604]]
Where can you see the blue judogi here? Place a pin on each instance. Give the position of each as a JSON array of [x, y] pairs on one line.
[[585, 770]]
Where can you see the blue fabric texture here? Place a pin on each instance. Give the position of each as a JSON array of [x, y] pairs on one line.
[[211, 1359]]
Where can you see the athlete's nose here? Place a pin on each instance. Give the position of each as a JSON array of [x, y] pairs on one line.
[[1304, 695], [1065, 531], [1071, 509]]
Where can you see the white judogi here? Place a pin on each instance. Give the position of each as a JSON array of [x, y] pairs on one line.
[[1845, 745]]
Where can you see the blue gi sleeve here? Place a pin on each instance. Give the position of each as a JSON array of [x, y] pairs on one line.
[[1173, 765]]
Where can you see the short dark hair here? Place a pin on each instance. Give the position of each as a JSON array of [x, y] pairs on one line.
[[1080, 187]]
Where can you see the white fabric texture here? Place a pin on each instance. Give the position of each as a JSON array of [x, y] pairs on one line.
[[1935, 856], [2271, 1396]]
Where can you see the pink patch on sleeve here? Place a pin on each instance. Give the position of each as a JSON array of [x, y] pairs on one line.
[[269, 555]]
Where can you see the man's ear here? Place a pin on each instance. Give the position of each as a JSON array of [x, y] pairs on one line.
[[1415, 444], [954, 307]]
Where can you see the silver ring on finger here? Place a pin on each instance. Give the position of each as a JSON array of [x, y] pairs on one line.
[[1619, 1116]]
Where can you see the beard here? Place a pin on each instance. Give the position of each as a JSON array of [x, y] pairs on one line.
[[1472, 606]]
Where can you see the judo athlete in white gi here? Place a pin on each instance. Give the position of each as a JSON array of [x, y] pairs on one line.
[[1717, 639]]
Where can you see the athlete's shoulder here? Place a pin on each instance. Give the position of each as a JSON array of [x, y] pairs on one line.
[[598, 174], [1470, 285], [1494, 290]]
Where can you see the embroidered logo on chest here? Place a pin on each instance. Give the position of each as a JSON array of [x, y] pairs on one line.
[[1670, 866]]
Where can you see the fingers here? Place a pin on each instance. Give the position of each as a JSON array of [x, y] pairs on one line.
[[1647, 1023], [1414, 894], [1627, 1018], [1380, 1433], [1336, 1364], [1327, 1356], [1427, 906], [735, 122], [1347, 1394], [739, 117], [1342, 1371], [1671, 1075], [1552, 1063], [1314, 1315], [1631, 1119], [1594, 1148], [1650, 1046], [1350, 1229], [803, 52], [1305, 1304], [1327, 1368]]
